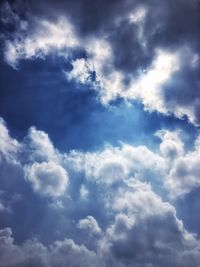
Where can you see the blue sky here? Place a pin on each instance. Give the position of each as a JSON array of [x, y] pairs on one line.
[[99, 133]]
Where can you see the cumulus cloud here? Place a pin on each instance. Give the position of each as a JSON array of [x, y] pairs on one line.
[[9, 147], [34, 253], [140, 229], [171, 146], [47, 178], [90, 225], [39, 159], [39, 146], [184, 175], [46, 168], [147, 232], [133, 50], [114, 164], [172, 168]]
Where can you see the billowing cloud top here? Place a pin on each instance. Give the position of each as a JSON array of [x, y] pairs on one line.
[[99, 133]]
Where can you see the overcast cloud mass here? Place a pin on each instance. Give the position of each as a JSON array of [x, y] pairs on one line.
[[99, 133]]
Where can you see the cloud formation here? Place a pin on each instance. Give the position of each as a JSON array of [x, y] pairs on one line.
[[125, 177], [47, 178], [153, 64], [158, 59], [114, 204], [131, 240], [90, 225]]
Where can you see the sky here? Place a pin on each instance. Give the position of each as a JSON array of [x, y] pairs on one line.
[[99, 133]]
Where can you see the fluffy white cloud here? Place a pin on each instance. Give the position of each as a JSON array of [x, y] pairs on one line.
[[90, 225], [141, 229], [9, 147], [184, 175], [37, 157], [39, 146], [171, 146], [172, 167], [147, 231], [115, 164], [47, 169], [47, 178], [46, 37], [144, 232]]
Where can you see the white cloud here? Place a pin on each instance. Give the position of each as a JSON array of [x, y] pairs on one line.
[[138, 15], [39, 146], [140, 227], [148, 87], [47, 169], [90, 225], [171, 146], [171, 167], [184, 175], [147, 231], [9, 147], [81, 71], [83, 192], [183, 167], [115, 164], [47, 178], [46, 37], [109, 81]]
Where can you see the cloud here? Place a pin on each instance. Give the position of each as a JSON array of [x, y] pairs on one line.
[[184, 174], [46, 168], [81, 72], [46, 37], [37, 158], [83, 192], [139, 55], [9, 147], [146, 232], [33, 253], [39, 147], [90, 225], [47, 178], [172, 167], [137, 228], [115, 164], [171, 146], [138, 51]]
